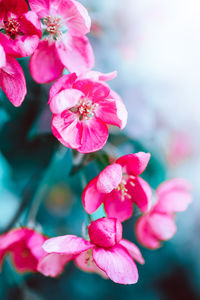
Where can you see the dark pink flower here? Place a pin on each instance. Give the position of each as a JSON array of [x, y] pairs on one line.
[[20, 29], [25, 248], [65, 24], [106, 253], [82, 108], [118, 186], [159, 224], [12, 80]]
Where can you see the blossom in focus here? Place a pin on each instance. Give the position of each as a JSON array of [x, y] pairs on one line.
[[25, 248], [65, 24], [106, 253], [12, 80], [118, 186], [159, 224], [82, 108], [20, 29]]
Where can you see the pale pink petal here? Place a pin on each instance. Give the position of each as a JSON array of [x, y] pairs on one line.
[[13, 236], [45, 64], [173, 196], [85, 262], [2, 57], [94, 135], [40, 7], [109, 178], [64, 82], [135, 163], [13, 82], [117, 264], [67, 129], [133, 250], [113, 112], [35, 242], [67, 244], [75, 17], [91, 197], [163, 226], [76, 53], [53, 264], [64, 100], [145, 235], [98, 76], [117, 206]]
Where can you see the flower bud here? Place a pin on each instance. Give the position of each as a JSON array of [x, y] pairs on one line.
[[105, 232]]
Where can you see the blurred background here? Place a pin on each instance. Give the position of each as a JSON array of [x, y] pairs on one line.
[[155, 47]]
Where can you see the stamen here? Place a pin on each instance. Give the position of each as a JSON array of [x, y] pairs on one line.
[[86, 109], [122, 186], [12, 27], [53, 27]]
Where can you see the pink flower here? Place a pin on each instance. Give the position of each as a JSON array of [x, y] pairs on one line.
[[106, 253], [159, 224], [25, 247], [65, 24], [82, 108], [12, 79], [20, 29], [118, 186]]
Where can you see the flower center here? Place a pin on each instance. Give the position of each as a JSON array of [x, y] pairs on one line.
[[53, 27], [122, 186], [85, 109], [12, 27]]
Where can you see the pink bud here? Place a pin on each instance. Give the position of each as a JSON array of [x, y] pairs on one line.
[[105, 232]]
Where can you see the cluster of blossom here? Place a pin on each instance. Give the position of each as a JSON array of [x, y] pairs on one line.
[[83, 106]]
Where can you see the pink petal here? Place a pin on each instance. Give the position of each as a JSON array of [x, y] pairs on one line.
[[22, 257], [13, 236], [67, 244], [112, 111], [64, 82], [16, 7], [21, 46], [109, 178], [105, 232], [95, 91], [117, 206], [173, 196], [76, 54], [2, 57], [67, 129], [30, 24], [98, 76], [145, 235], [91, 197], [53, 264], [94, 135], [40, 7], [13, 82], [117, 264], [45, 64], [75, 16], [135, 163], [162, 226], [133, 250], [64, 100], [35, 242], [85, 262], [141, 193]]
